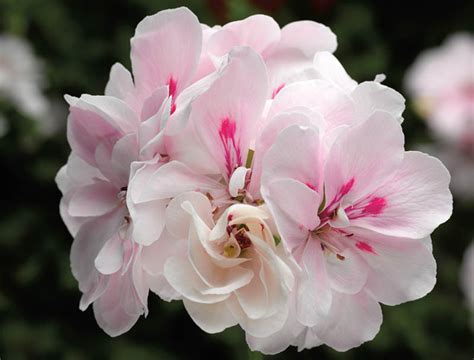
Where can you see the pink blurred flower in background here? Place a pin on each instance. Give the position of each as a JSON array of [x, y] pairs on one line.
[[441, 83]]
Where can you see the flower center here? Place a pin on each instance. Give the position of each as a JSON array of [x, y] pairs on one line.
[[238, 240]]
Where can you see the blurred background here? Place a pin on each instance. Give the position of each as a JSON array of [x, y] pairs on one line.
[[75, 43]]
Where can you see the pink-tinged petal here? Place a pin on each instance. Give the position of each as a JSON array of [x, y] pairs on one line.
[[108, 310], [153, 259], [415, 200], [179, 119], [307, 339], [178, 220], [336, 107], [140, 281], [253, 298], [110, 258], [212, 318], [261, 327], [120, 85], [277, 279], [172, 179], [296, 35], [96, 120], [370, 96], [148, 221], [352, 320], [185, 147], [80, 172], [314, 294], [151, 106], [161, 287], [296, 154], [155, 255], [298, 201], [148, 217], [72, 223], [400, 269], [94, 291], [269, 135], [330, 69], [347, 271], [87, 244], [363, 158], [226, 116], [258, 32], [292, 234], [278, 341], [62, 180], [237, 180], [117, 168], [339, 220], [183, 278], [96, 199], [165, 51]]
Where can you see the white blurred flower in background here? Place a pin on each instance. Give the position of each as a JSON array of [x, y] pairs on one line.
[[22, 82], [441, 83]]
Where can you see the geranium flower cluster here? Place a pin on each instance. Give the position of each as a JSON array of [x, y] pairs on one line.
[[241, 170]]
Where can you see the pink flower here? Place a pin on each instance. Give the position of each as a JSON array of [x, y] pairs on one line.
[[242, 170], [112, 137], [356, 212], [106, 137], [232, 271], [441, 82], [209, 155], [165, 52], [329, 100]]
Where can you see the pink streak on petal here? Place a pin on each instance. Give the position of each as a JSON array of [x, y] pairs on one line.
[[311, 186], [232, 154], [346, 188], [365, 247], [172, 84], [277, 90], [375, 206]]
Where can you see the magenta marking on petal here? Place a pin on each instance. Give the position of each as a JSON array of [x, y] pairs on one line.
[[346, 188], [311, 186], [277, 90], [366, 209], [375, 206], [232, 154], [172, 84], [365, 247], [328, 212]]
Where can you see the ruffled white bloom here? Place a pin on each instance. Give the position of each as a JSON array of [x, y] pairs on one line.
[[232, 272]]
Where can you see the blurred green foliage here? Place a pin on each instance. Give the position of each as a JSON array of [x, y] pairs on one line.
[[78, 42]]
